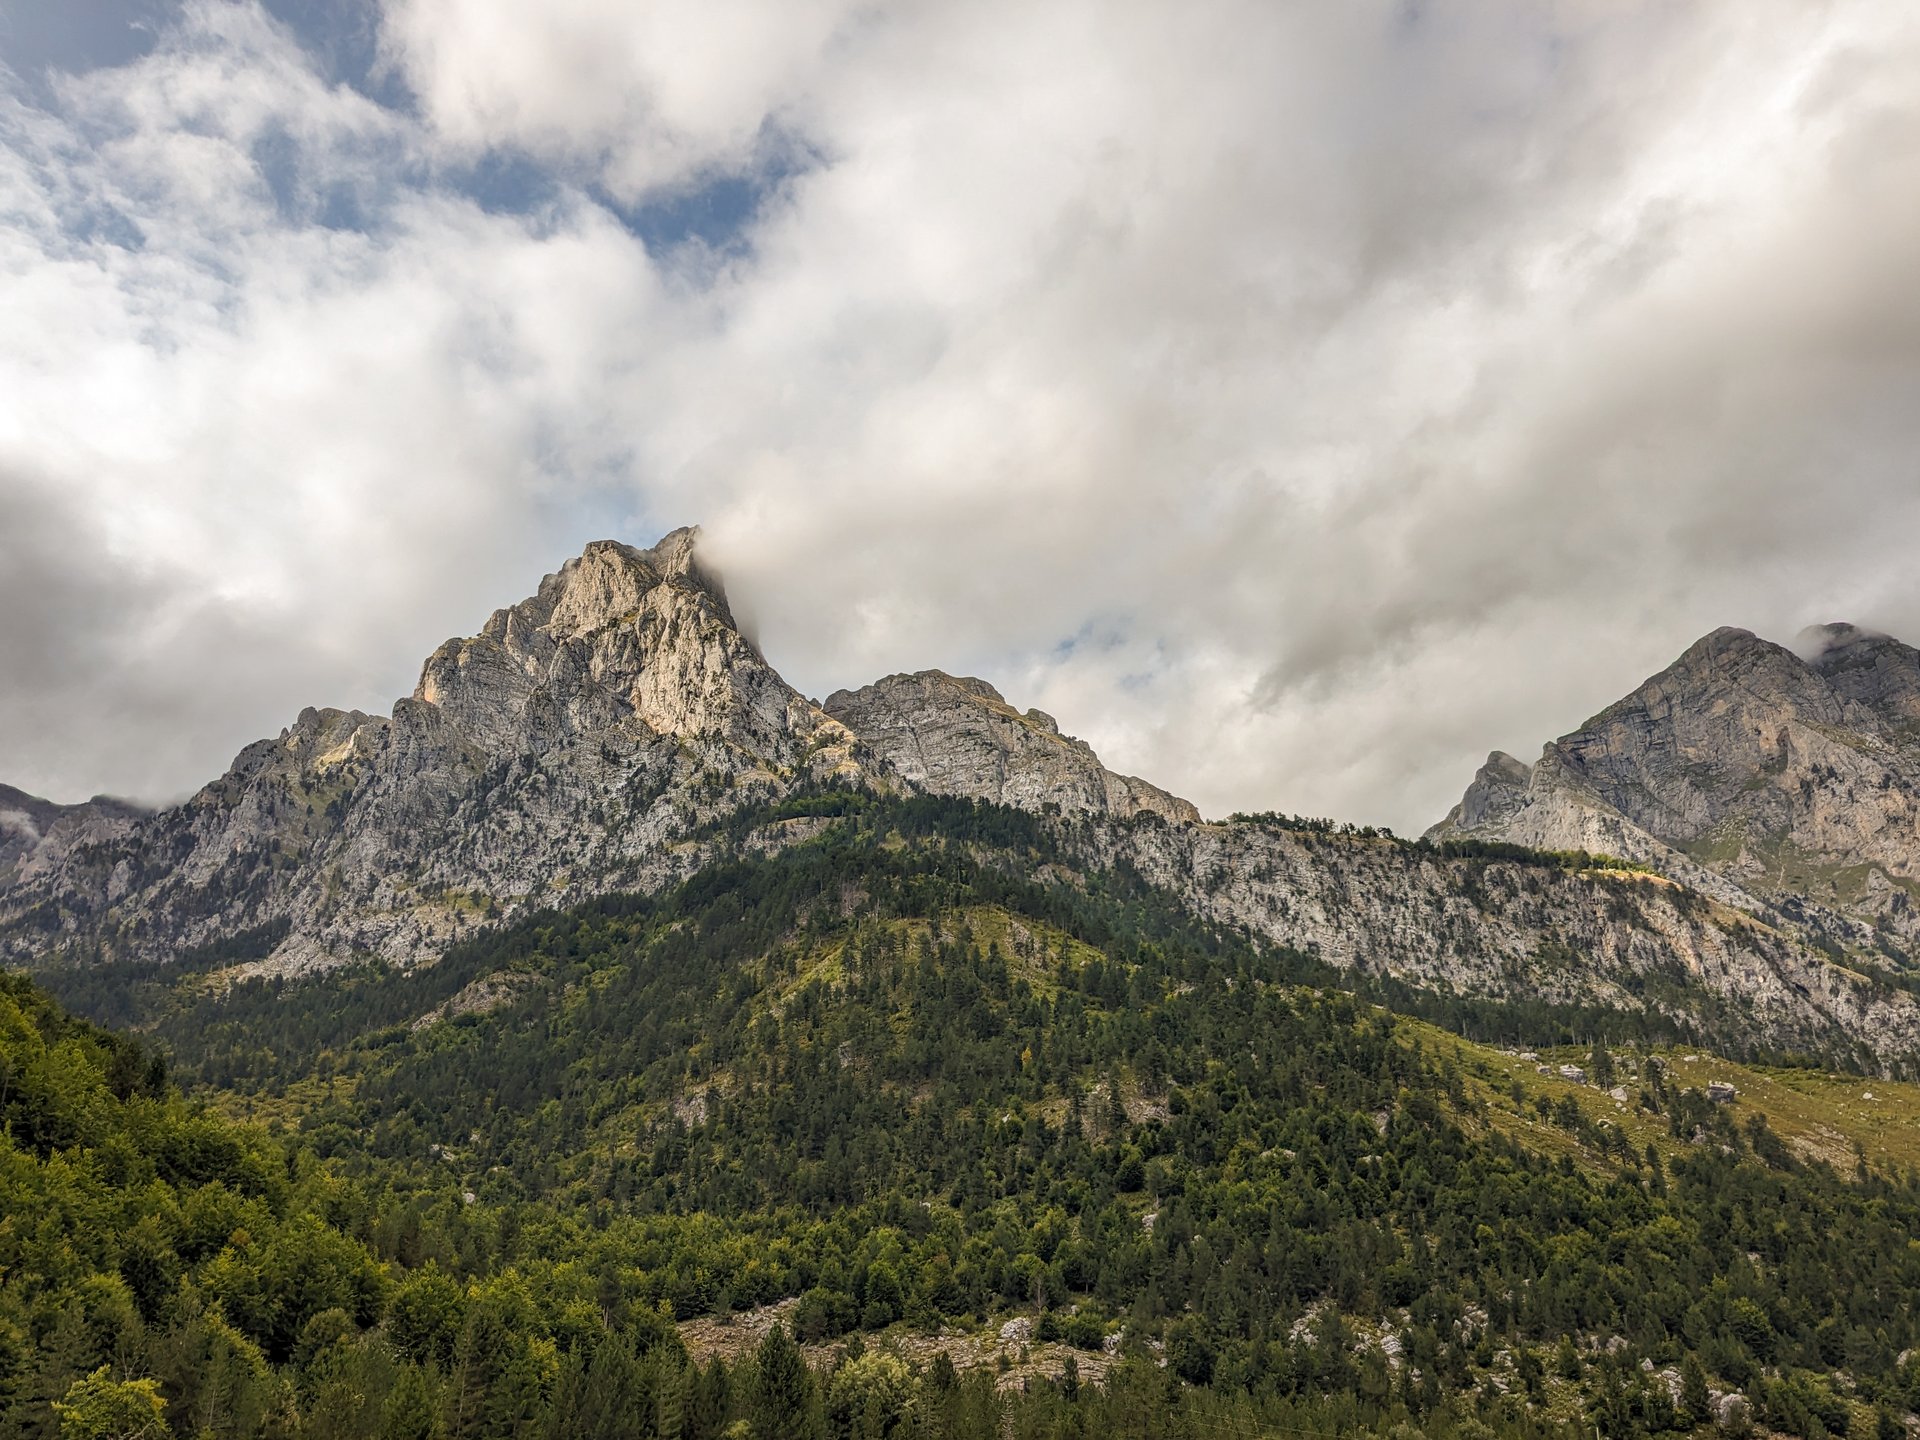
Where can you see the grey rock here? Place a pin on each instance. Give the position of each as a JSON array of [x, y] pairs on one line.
[[1516, 931], [955, 735], [558, 753], [36, 834], [1784, 783]]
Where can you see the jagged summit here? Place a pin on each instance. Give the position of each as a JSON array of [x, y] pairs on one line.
[[617, 636], [607, 581], [956, 735], [561, 750], [1498, 789], [1765, 775]]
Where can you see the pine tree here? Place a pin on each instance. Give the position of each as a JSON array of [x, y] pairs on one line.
[[670, 1396], [783, 1390], [410, 1409], [1694, 1400]]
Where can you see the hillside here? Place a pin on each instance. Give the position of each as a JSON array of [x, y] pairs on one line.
[[910, 1078], [615, 731], [1784, 783]]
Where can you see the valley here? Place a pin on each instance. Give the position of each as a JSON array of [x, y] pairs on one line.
[[614, 1042]]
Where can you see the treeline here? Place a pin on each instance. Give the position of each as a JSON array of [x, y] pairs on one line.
[[1458, 848]]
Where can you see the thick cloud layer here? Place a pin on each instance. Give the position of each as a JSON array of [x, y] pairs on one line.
[[1297, 401]]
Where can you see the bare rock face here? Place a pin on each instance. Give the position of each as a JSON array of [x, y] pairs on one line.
[[1524, 932], [36, 833], [559, 752], [578, 743], [958, 736], [1771, 779], [1498, 791]]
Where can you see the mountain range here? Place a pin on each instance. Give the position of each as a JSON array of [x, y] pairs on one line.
[[1731, 848], [1784, 782], [614, 1044]]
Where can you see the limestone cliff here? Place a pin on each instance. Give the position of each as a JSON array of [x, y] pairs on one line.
[[958, 736], [36, 834], [559, 752], [1784, 782], [1525, 932]]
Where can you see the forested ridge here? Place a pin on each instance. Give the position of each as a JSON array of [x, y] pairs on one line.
[[912, 1076]]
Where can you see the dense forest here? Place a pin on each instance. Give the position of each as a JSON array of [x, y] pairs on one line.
[[905, 1129]]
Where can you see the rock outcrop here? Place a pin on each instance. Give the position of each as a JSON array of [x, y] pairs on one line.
[[958, 736], [1786, 783], [559, 752], [37, 834], [587, 739], [1525, 932]]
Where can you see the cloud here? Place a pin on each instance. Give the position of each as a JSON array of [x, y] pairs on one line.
[[637, 97], [1297, 402]]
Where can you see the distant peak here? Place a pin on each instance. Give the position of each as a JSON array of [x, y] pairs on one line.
[[925, 680], [1724, 638], [1818, 641], [1500, 763], [1730, 643]]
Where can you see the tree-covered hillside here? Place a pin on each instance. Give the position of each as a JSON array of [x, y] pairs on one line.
[[907, 1081]]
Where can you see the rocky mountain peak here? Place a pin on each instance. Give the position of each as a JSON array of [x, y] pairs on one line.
[[1499, 788], [1869, 669], [956, 735], [617, 636], [1764, 775], [607, 582], [1817, 642]]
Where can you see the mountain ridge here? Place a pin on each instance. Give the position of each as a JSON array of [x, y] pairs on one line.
[[565, 748], [1786, 784], [602, 735]]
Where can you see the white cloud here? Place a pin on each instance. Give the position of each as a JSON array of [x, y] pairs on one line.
[[638, 96], [1297, 402]]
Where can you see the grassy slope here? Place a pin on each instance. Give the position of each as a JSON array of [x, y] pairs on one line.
[[1822, 1116]]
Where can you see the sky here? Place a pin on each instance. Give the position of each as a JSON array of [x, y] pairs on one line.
[[1297, 401]]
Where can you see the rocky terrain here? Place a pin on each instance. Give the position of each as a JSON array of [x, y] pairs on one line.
[[560, 751], [1516, 931], [584, 740], [36, 833], [960, 737], [563, 751], [1784, 783]]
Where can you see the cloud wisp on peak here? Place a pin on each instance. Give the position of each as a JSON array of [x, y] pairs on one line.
[[1375, 386]]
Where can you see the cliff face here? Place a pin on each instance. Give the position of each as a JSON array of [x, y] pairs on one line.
[[582, 739], [1523, 932], [36, 833], [1779, 781], [559, 752], [957, 736]]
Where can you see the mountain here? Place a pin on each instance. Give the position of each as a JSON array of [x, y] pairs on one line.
[[1785, 783], [1008, 1145], [563, 751], [616, 732], [960, 737], [36, 833]]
